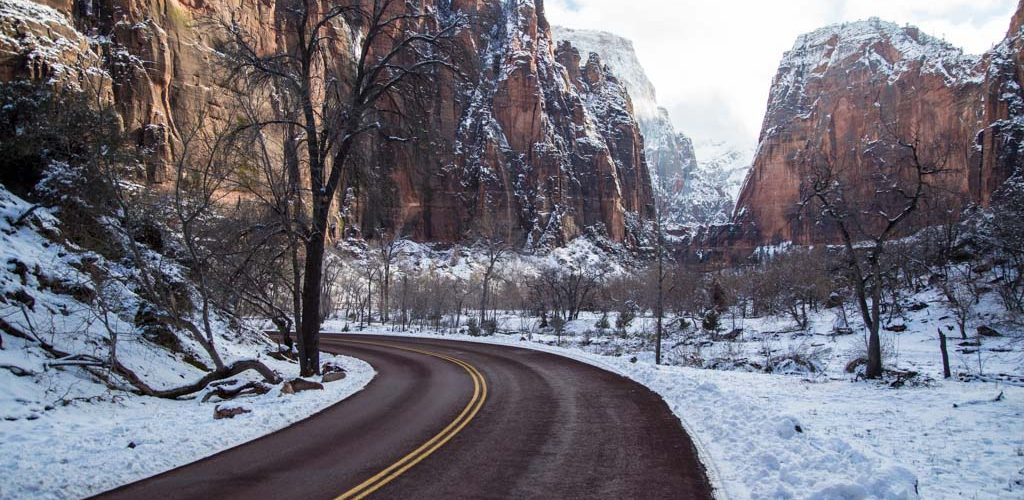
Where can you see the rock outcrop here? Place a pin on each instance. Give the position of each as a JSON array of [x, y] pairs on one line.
[[846, 86], [693, 193], [529, 144]]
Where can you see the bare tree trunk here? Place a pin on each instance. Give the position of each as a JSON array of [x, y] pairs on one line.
[[945, 355], [483, 297], [660, 306], [369, 300], [874, 366], [385, 291], [315, 249], [405, 294]]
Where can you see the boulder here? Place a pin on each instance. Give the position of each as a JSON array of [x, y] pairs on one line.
[[332, 377], [220, 412], [988, 331], [299, 385]]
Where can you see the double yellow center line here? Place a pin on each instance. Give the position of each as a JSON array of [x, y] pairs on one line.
[[424, 450]]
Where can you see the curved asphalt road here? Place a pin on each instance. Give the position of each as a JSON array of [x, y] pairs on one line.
[[549, 427]]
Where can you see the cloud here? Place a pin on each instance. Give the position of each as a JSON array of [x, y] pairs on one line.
[[713, 114], [713, 62]]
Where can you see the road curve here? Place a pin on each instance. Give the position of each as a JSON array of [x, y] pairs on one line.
[[547, 427]]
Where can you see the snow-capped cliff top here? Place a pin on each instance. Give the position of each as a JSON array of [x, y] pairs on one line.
[[886, 51], [618, 54], [886, 47]]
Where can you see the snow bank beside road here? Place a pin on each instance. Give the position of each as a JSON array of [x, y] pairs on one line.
[[778, 436], [90, 447]]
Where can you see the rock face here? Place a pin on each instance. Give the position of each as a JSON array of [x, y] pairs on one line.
[[835, 89], [530, 145], [692, 192], [715, 183]]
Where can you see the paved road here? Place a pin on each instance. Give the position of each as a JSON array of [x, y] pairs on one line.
[[446, 419]]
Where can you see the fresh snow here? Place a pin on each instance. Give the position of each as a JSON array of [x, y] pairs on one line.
[[62, 432], [856, 439], [838, 46], [94, 445]]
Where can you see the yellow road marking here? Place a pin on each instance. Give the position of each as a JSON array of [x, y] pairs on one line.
[[426, 449]]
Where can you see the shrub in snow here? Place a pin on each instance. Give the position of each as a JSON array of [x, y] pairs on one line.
[[688, 355], [684, 325], [712, 322], [625, 318], [472, 327], [558, 325], [489, 326]]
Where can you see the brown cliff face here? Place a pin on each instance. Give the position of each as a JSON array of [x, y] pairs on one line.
[[834, 93], [517, 147]]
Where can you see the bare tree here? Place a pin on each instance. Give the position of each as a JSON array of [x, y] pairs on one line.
[[202, 165], [102, 171], [961, 294], [793, 283], [660, 270], [338, 100], [901, 170], [567, 288], [389, 249], [370, 272], [494, 252], [1006, 236]]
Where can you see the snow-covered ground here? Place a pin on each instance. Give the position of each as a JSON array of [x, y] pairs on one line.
[[814, 432], [66, 434], [826, 436], [88, 447]]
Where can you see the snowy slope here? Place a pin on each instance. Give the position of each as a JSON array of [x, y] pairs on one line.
[[64, 433]]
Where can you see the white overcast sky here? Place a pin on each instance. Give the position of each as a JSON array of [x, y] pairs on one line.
[[712, 61]]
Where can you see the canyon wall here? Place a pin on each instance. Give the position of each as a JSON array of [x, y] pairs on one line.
[[844, 88], [526, 143], [693, 192]]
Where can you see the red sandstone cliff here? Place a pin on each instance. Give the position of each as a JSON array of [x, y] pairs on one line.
[[835, 89], [525, 145]]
